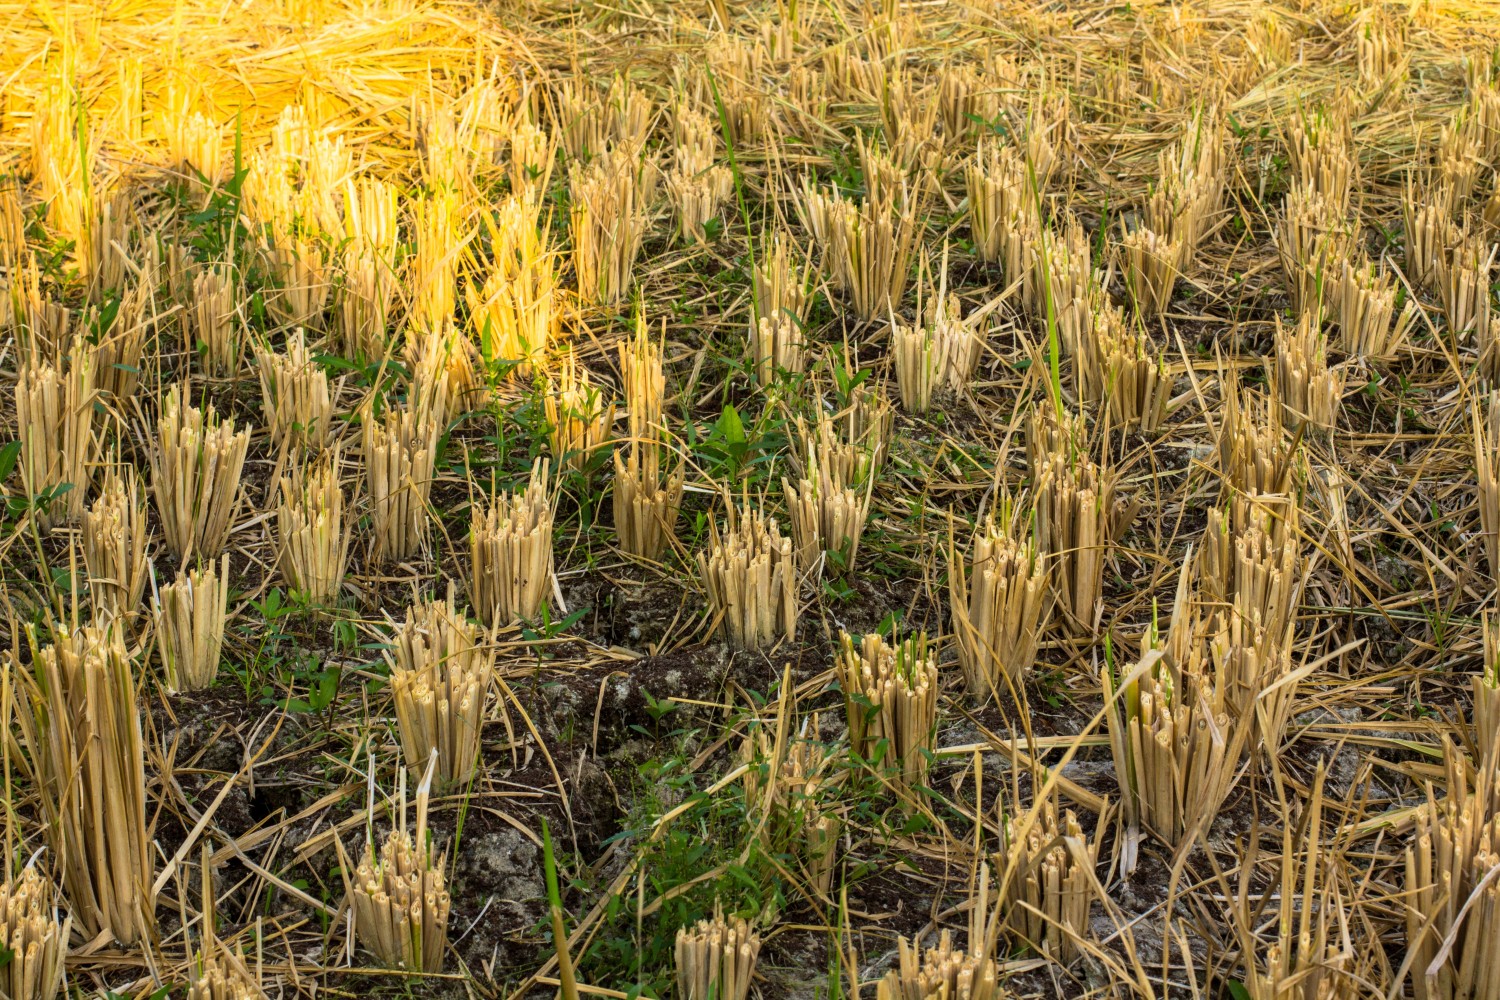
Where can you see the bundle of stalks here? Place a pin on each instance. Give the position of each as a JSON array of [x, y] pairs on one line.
[[1135, 386], [443, 380], [1459, 158], [1464, 277], [371, 267], [867, 245], [400, 899], [216, 973], [919, 362], [121, 353], [578, 416], [312, 533], [213, 322], [646, 505], [1249, 562], [55, 426], [34, 935], [890, 703], [583, 129], [716, 959], [399, 451], [696, 183], [1074, 290], [1309, 390], [778, 288], [1311, 957], [853, 443], [195, 476], [294, 395], [1190, 191], [515, 314], [441, 667], [607, 214], [433, 274], [104, 254], [1046, 867], [1486, 721], [1487, 476], [1004, 214], [45, 328], [64, 153], [1176, 748], [83, 733], [785, 787], [1000, 606], [532, 150], [510, 552], [1429, 233], [12, 224], [1256, 456], [1053, 429], [750, 575], [1077, 518], [1452, 898], [964, 100], [195, 146], [1322, 155], [828, 518], [740, 70], [1365, 303], [190, 621], [114, 546], [777, 346], [1380, 53], [304, 281], [1151, 270], [1312, 242], [941, 972], [956, 341]]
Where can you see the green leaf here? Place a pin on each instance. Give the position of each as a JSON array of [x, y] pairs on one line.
[[730, 427]]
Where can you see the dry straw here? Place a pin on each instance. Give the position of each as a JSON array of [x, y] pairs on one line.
[[777, 348], [371, 267], [1000, 605], [399, 452], [578, 415], [1176, 751], [646, 503], [515, 315], [827, 516], [190, 625], [1487, 475], [697, 185], [55, 420], [607, 213], [944, 971], [786, 781], [1313, 241], [1046, 865], [1311, 955], [1256, 454], [1452, 898], [304, 281], [1464, 279], [433, 272], [716, 959], [510, 552], [212, 321], [1429, 233], [83, 734], [1486, 720], [1134, 383], [1078, 517], [1309, 390], [750, 574], [400, 899], [1151, 270], [121, 354], [890, 703], [294, 394], [867, 245], [778, 288], [216, 973], [441, 667], [1365, 304], [312, 530], [1003, 211], [195, 476], [114, 545], [35, 937]]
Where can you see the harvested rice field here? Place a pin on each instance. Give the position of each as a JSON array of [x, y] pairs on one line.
[[815, 500]]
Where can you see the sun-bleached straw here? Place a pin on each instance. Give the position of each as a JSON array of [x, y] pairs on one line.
[[195, 476], [190, 625], [510, 552], [750, 574], [34, 934], [716, 958], [114, 545]]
